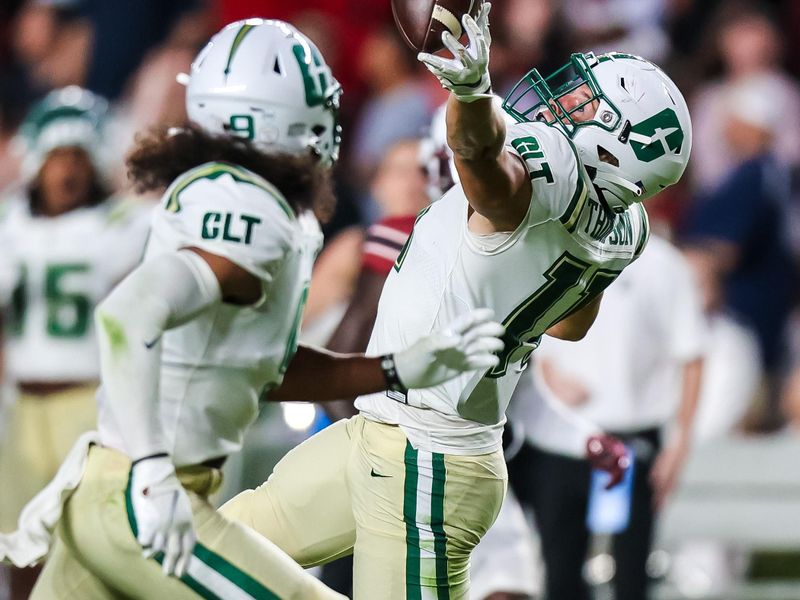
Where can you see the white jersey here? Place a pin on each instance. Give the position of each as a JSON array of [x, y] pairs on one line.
[[215, 367], [564, 253], [55, 270], [631, 363]]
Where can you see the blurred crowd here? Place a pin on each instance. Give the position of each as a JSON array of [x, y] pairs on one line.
[[735, 216]]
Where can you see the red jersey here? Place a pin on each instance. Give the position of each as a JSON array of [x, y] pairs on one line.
[[384, 241]]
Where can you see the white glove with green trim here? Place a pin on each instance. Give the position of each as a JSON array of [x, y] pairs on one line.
[[466, 74], [469, 343], [163, 513]]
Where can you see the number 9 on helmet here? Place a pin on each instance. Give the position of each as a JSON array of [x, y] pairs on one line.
[[265, 81]]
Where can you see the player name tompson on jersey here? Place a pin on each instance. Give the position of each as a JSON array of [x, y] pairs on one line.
[[567, 250]]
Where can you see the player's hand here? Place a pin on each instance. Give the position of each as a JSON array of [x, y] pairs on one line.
[[467, 73], [666, 470], [608, 454], [469, 343], [163, 513]]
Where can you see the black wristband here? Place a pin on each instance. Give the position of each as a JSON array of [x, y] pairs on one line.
[[389, 369], [144, 458]]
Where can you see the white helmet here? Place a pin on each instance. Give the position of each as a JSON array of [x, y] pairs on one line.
[[640, 138], [70, 116], [265, 81], [435, 155]]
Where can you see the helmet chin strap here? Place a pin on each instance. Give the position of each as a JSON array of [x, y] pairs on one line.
[[619, 188]]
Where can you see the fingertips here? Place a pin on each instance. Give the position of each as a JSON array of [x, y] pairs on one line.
[[489, 329], [485, 345], [188, 541], [483, 361], [452, 44]]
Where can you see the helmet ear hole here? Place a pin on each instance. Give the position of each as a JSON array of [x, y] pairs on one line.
[[318, 130], [607, 157]]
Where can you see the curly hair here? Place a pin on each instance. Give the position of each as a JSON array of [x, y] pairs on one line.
[[161, 155]]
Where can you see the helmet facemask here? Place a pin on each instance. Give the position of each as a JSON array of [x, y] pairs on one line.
[[538, 98], [636, 106]]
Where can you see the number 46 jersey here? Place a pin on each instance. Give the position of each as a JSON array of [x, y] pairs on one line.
[[53, 272], [566, 251]]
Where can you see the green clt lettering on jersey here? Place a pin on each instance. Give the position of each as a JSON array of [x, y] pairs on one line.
[[530, 150], [230, 228]]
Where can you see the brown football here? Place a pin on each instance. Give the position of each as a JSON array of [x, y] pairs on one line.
[[422, 22]]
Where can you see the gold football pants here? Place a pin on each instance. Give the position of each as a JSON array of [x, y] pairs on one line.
[[41, 430], [97, 557], [410, 517]]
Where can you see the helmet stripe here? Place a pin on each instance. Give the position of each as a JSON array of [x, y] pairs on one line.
[[237, 41]]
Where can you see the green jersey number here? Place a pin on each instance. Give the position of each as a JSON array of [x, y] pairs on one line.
[[243, 126], [68, 312], [565, 275]]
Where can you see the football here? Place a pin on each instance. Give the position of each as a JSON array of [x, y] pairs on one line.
[[422, 22]]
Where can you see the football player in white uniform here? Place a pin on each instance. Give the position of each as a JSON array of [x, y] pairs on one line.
[[193, 337], [65, 245], [548, 212]]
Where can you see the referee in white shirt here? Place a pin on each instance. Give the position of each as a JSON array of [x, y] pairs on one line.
[[636, 375]]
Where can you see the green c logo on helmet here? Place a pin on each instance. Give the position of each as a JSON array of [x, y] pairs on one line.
[[654, 137], [316, 76]]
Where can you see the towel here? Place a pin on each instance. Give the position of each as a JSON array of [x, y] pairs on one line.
[[30, 543]]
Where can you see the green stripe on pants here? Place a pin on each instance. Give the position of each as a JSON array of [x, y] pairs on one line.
[[212, 560], [437, 525], [413, 588]]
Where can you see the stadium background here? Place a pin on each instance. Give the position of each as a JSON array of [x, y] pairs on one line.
[[130, 50]]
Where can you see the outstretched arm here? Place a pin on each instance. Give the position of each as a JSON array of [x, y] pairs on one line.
[[319, 375], [352, 334], [469, 343], [495, 181]]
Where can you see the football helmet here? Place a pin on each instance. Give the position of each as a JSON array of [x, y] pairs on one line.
[[265, 81], [639, 139], [70, 116]]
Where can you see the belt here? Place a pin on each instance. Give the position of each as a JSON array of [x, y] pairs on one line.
[[46, 388]]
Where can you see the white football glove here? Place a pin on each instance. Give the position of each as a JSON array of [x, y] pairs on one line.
[[467, 73], [469, 343], [163, 513]]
